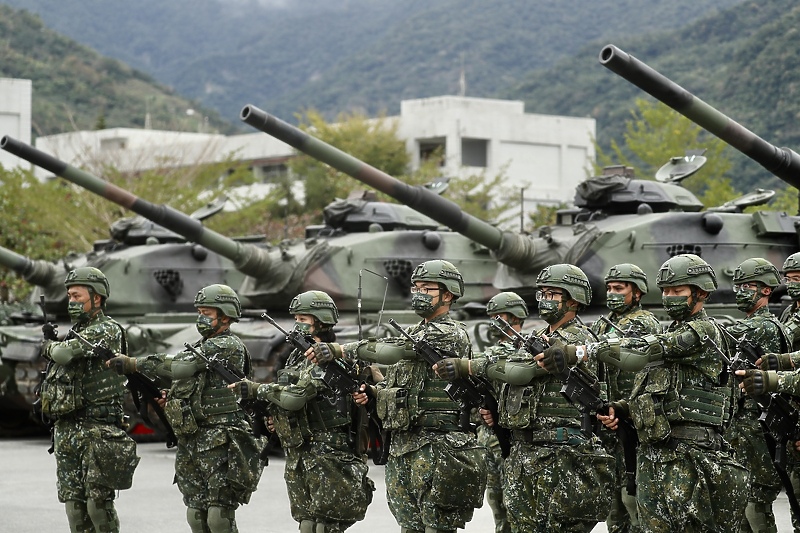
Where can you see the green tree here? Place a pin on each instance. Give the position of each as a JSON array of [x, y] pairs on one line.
[[654, 134]]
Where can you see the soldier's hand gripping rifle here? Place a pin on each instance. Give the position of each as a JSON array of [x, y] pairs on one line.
[[467, 391], [143, 389], [339, 375]]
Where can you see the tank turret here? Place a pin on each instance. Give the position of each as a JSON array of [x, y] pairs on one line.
[[783, 163], [37, 272]]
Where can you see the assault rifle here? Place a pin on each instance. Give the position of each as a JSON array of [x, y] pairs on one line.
[[467, 391], [143, 390], [533, 345], [779, 418], [339, 374]]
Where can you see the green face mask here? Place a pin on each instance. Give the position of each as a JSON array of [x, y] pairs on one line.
[[616, 302], [746, 299], [551, 311], [422, 304], [303, 328], [77, 314], [793, 288], [204, 326], [677, 307]]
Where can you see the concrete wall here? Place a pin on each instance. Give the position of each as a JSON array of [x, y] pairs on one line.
[[15, 116]]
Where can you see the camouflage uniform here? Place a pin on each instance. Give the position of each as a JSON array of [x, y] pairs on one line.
[[635, 322], [218, 464], [94, 455], [436, 473], [687, 479], [745, 434]]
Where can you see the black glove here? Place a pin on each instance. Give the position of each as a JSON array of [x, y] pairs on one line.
[[776, 361], [50, 331], [758, 382], [558, 358], [122, 364], [452, 368], [325, 353]]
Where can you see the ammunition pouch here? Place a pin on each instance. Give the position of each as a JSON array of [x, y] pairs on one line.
[[392, 408], [179, 414], [62, 389]]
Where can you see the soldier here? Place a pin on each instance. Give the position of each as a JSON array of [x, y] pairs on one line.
[[625, 285], [326, 477], [753, 281], [686, 477], [218, 464], [557, 478], [94, 455], [790, 316], [436, 471], [511, 308]]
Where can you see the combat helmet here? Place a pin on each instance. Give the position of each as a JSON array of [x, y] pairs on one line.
[[757, 269], [507, 302], [569, 278], [630, 273], [220, 297], [792, 263], [317, 304], [89, 277], [687, 269], [443, 272]]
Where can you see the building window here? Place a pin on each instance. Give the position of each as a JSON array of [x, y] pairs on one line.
[[113, 143], [271, 173], [433, 148], [474, 152]]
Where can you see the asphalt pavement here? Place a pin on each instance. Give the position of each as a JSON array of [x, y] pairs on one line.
[[29, 503]]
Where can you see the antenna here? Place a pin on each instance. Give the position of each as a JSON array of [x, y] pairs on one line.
[[462, 79], [383, 304]]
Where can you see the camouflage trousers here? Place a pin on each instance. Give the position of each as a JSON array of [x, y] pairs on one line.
[[557, 488], [218, 466], [435, 479], [494, 478], [689, 489], [747, 440], [93, 460], [327, 483], [624, 516]]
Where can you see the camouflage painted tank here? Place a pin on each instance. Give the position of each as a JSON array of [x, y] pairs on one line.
[[616, 218]]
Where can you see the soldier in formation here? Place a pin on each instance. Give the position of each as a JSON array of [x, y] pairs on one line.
[[436, 470], [626, 283], [84, 399], [553, 456], [218, 463], [326, 473], [687, 477]]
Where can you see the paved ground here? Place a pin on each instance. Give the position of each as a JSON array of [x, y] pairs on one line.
[[29, 503]]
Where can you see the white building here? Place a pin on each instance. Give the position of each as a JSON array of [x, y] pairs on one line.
[[548, 155], [15, 116]]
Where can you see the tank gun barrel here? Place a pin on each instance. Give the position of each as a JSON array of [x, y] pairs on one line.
[[247, 258], [37, 272], [512, 249], [781, 162]]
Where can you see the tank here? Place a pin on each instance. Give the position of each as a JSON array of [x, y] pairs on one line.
[[616, 218]]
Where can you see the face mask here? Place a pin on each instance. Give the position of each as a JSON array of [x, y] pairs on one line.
[[422, 304], [76, 312], [616, 302], [746, 299], [303, 328], [793, 288], [677, 307], [551, 311], [204, 326]]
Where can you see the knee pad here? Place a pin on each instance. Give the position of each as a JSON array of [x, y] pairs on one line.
[[760, 517], [78, 517], [221, 520], [434, 530], [197, 520], [307, 526], [103, 515]]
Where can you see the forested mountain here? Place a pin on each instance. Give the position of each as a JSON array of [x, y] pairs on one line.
[[335, 55]]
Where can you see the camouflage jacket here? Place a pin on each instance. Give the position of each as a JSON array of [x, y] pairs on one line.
[[634, 323], [790, 318], [85, 384]]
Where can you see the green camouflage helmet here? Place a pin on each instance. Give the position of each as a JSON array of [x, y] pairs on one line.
[[687, 269], [317, 304], [220, 297], [443, 272], [507, 302], [630, 273], [568, 277], [792, 263], [757, 269], [89, 277]]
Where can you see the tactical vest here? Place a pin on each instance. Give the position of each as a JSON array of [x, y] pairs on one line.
[[323, 417], [85, 387]]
